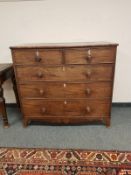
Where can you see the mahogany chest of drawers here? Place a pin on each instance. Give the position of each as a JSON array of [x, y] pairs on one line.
[[69, 83]]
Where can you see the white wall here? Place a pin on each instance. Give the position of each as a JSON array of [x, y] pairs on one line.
[[70, 20]]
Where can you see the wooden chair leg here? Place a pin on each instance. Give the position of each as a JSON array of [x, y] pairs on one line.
[[15, 90], [3, 109]]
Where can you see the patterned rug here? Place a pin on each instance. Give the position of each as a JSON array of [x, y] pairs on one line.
[[14, 161]]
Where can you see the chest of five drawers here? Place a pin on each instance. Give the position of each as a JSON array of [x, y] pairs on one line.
[[65, 84]]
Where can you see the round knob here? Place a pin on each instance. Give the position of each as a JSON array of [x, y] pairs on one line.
[[40, 74], [88, 91], [37, 56], [89, 58], [38, 59], [41, 91], [88, 73], [88, 55], [43, 110], [88, 109]]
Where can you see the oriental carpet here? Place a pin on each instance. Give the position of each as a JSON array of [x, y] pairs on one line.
[[32, 161]]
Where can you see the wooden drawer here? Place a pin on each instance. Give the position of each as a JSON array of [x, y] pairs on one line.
[[68, 73], [92, 108], [37, 56], [66, 90], [42, 107], [90, 55]]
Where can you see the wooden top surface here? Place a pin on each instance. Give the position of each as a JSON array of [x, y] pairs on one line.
[[61, 45], [5, 67]]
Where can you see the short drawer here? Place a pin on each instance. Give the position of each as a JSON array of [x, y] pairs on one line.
[[67, 73], [91, 108], [37, 56], [66, 90], [90, 55]]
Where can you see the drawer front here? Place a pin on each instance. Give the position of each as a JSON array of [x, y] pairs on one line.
[[68, 73], [37, 56], [42, 90], [36, 108], [91, 108], [67, 90], [90, 55]]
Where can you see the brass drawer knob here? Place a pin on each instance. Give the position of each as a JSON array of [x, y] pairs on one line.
[[37, 56], [88, 91], [41, 92], [39, 74], [88, 109], [43, 110]]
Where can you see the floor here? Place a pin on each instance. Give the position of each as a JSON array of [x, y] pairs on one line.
[[117, 137]]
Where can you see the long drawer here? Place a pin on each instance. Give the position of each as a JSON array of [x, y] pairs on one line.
[[87, 55], [66, 90], [65, 73], [41, 108]]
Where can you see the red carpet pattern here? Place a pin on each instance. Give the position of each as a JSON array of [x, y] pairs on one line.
[[15, 161]]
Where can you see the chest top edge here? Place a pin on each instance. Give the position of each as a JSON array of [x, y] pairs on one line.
[[64, 45]]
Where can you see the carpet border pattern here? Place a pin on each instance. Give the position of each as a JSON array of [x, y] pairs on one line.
[[38, 161]]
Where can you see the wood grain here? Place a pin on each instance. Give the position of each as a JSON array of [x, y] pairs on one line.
[[66, 107], [65, 73], [90, 55], [66, 90], [38, 56]]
